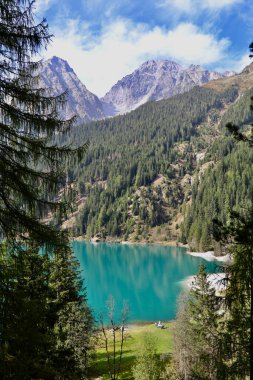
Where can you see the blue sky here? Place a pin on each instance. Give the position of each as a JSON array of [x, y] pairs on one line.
[[104, 40]]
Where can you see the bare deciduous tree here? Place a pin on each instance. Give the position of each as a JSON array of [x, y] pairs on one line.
[[113, 333]]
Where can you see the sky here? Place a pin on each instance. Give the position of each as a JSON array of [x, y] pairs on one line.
[[104, 40]]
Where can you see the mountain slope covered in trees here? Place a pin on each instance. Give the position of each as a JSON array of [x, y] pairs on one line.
[[164, 166]]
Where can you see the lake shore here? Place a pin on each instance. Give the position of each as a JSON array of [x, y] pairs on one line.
[[170, 243], [209, 255], [144, 324]]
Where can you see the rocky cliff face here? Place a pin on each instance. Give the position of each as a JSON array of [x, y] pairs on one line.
[[57, 76], [156, 80]]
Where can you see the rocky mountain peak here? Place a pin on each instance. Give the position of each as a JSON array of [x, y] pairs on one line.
[[57, 63], [160, 64], [155, 80], [195, 68], [57, 76]]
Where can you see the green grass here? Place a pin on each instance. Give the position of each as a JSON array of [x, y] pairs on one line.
[[162, 338]]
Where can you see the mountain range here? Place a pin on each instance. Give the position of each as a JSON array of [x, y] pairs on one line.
[[156, 80], [152, 81]]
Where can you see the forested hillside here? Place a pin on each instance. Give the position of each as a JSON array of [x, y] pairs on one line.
[[165, 165]]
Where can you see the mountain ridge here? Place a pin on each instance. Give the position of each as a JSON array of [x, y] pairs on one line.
[[152, 81], [156, 80]]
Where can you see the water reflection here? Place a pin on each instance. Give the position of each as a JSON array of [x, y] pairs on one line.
[[148, 277]]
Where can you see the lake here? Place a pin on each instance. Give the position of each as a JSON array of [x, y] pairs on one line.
[[148, 277]]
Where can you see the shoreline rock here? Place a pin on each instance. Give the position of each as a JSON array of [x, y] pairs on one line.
[[210, 256]]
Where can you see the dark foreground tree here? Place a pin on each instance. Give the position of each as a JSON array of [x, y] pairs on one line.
[[71, 320], [24, 333], [30, 166], [46, 326], [45, 323]]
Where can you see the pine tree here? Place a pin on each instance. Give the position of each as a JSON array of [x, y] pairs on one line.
[[197, 342], [70, 318], [30, 165], [237, 338], [25, 336], [46, 326]]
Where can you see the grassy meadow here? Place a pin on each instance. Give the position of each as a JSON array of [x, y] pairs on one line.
[[162, 339]]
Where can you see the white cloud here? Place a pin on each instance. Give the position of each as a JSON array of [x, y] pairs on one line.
[[41, 6], [218, 4], [241, 63], [195, 6], [181, 5], [233, 63], [122, 46]]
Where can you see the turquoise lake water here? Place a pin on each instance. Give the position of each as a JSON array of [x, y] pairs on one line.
[[149, 278]]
